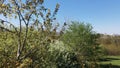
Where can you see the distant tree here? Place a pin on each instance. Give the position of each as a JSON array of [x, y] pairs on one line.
[[83, 40]]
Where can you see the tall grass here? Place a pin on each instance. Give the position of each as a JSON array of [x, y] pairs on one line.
[[112, 49], [111, 44]]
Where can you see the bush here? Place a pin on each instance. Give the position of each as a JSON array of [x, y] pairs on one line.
[[80, 37]]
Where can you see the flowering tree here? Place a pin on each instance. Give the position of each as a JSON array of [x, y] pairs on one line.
[[33, 32]]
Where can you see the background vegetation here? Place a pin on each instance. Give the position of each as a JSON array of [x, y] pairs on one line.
[[111, 44]]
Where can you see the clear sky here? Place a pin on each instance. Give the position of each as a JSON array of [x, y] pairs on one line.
[[104, 15]]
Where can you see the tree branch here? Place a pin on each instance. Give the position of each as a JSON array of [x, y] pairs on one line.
[[26, 32], [10, 25], [7, 29]]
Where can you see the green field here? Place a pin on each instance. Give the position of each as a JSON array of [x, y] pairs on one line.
[[108, 61]]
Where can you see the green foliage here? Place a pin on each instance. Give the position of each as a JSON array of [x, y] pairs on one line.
[[63, 55], [81, 38]]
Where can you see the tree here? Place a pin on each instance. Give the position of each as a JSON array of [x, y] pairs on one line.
[[33, 34], [80, 37]]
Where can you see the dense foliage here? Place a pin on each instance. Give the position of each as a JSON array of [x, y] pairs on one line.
[[83, 41], [35, 42]]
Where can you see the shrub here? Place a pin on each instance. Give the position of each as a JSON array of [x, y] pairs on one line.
[[80, 37]]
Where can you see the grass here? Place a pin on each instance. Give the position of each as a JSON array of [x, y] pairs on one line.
[[110, 60], [112, 49]]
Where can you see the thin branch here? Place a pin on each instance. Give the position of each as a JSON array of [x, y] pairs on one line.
[[21, 18], [26, 31], [20, 12], [7, 29], [10, 24], [29, 52], [19, 37]]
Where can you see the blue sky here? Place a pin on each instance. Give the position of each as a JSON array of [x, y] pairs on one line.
[[104, 15]]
